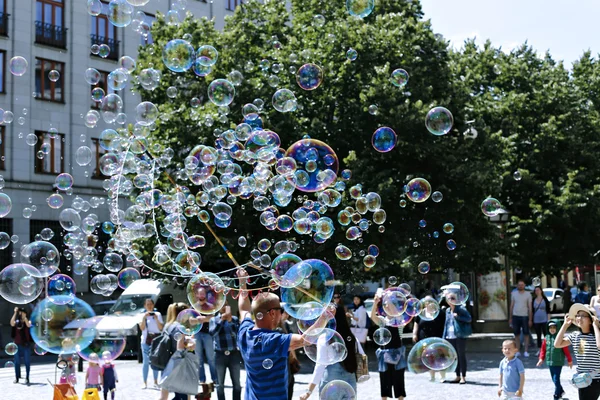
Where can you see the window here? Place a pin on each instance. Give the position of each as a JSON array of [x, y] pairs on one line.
[[98, 152], [103, 32], [3, 19], [53, 149], [145, 28], [102, 83], [2, 147], [2, 65], [49, 23], [45, 89], [6, 225], [232, 4], [36, 226]]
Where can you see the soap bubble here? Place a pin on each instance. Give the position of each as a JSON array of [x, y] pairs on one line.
[[337, 390], [423, 267], [309, 76], [54, 75], [127, 63], [83, 156], [189, 323], [448, 228], [430, 308], [61, 289], [351, 54], [333, 346], [384, 139], [317, 165], [4, 240], [43, 256], [63, 333], [415, 361], [20, 283], [18, 66], [69, 219], [281, 265], [221, 92], [360, 8], [127, 276], [437, 197], [517, 175], [205, 293], [284, 100], [267, 363], [393, 302], [399, 78], [439, 356], [94, 7], [317, 325], [413, 306], [178, 55], [55, 201], [11, 349], [5, 205], [207, 55], [456, 293], [418, 190], [119, 13], [382, 336], [439, 121], [301, 305], [95, 348], [536, 281], [342, 252], [491, 207], [64, 181], [451, 244], [146, 113]]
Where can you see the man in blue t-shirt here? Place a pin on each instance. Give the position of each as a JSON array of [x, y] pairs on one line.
[[264, 350]]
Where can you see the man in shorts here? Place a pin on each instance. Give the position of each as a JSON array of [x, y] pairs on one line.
[[521, 314]]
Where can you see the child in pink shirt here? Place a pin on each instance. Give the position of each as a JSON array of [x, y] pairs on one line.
[[93, 376]]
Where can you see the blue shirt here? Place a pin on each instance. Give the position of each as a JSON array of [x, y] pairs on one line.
[[511, 371], [257, 345], [224, 333]]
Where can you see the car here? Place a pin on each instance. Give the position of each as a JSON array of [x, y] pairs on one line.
[[556, 298], [103, 307]]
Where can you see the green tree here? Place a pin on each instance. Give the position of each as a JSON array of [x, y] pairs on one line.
[[393, 36]]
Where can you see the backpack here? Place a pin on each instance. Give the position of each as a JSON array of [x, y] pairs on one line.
[[161, 350]]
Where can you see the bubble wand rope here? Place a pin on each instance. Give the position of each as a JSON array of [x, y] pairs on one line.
[[232, 258]]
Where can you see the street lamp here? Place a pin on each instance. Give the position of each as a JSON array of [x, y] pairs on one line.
[[501, 218]]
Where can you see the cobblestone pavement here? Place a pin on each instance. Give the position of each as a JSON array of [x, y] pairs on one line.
[[482, 382]]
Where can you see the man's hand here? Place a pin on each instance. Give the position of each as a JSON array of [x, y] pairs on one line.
[[530, 323], [499, 392], [518, 393], [539, 362], [242, 275], [305, 396]]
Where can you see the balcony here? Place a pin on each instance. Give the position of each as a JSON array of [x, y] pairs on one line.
[[4, 24], [50, 35], [112, 44]]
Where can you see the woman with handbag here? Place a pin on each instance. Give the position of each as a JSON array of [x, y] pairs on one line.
[[586, 344], [456, 331], [541, 310], [391, 359], [181, 372], [20, 324], [358, 320], [342, 371], [151, 326]]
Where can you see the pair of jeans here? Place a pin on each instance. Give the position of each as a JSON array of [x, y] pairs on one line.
[[460, 345], [233, 361], [206, 352], [337, 372], [555, 374], [146, 363], [25, 352]]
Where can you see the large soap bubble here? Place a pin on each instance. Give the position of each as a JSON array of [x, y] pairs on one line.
[[329, 349], [205, 293], [384, 139], [221, 92], [394, 302], [18, 66], [5, 205], [282, 264], [415, 356], [20, 283], [178, 55], [439, 356], [456, 293], [360, 8], [69, 219], [491, 207], [189, 321], [41, 255], [430, 309], [309, 76], [101, 348], [337, 390], [127, 276], [284, 100], [120, 13], [56, 327], [309, 299], [317, 165]]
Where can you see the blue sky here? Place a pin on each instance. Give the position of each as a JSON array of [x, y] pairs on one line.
[[559, 26]]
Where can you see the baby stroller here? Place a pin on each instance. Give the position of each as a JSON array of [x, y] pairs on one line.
[[63, 391]]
